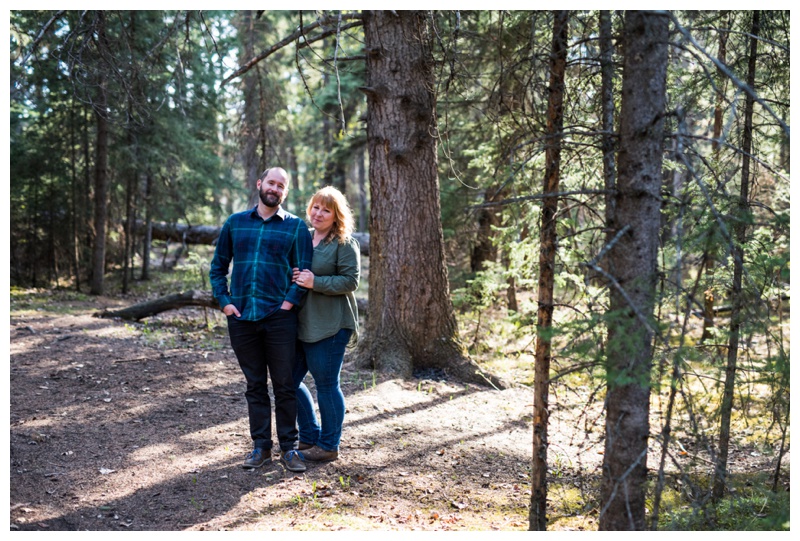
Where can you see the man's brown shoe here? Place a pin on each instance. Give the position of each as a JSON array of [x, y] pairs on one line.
[[293, 460], [316, 454], [302, 446]]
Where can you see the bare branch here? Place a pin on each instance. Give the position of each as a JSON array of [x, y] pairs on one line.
[[608, 246], [336, 69], [292, 37], [41, 34]]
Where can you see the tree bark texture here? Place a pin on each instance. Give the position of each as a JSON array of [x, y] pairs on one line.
[[740, 234], [361, 175], [412, 322], [548, 245], [632, 295]]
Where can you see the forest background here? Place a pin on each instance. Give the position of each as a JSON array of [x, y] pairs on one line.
[[588, 204]]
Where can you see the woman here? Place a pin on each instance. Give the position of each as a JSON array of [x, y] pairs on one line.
[[327, 322]]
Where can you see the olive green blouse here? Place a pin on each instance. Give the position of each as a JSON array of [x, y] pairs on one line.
[[331, 305]]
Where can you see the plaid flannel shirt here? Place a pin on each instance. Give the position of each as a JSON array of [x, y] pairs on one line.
[[263, 253]]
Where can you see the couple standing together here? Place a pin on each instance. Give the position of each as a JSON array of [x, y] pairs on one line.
[[291, 310]]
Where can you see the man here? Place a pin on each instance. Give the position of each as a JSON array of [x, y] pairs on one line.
[[264, 243]]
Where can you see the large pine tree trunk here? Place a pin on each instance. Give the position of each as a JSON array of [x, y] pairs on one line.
[[411, 323], [740, 230], [630, 334], [548, 243]]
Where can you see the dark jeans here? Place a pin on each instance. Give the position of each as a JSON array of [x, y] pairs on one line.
[[324, 360], [266, 348]]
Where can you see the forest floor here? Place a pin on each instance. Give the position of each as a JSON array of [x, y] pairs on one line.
[[143, 426]]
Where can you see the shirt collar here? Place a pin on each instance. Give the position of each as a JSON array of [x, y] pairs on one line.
[[282, 213]]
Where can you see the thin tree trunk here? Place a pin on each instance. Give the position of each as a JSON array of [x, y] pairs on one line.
[[33, 241], [147, 236], [607, 142], [51, 238], [74, 236], [740, 230], [412, 322], [511, 290], [251, 125], [131, 175], [294, 173], [128, 249], [86, 215], [708, 256], [632, 295], [548, 243], [485, 249], [101, 174]]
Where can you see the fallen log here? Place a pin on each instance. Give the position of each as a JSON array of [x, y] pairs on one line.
[[144, 309], [363, 242], [207, 234], [192, 297], [195, 234], [725, 308]]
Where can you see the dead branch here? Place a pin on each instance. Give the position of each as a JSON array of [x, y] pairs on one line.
[[292, 37]]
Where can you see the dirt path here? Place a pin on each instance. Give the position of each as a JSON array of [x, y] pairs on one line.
[[120, 426], [112, 428]]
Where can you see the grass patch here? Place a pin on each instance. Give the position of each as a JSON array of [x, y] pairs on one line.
[[47, 302], [750, 506]]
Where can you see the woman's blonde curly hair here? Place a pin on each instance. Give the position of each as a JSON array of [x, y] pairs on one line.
[[334, 200]]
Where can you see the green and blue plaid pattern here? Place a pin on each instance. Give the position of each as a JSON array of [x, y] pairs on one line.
[[263, 253]]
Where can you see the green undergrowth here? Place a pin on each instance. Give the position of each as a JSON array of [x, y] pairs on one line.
[[749, 506]]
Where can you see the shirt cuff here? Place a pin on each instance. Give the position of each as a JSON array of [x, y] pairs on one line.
[[224, 301], [295, 295]]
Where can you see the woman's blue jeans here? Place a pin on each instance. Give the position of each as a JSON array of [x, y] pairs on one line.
[[324, 360]]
